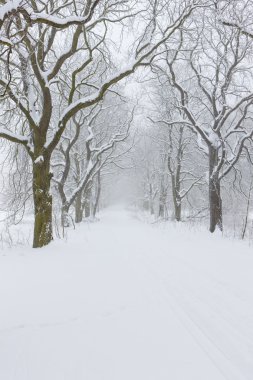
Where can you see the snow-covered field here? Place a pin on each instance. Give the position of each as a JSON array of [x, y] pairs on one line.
[[126, 300]]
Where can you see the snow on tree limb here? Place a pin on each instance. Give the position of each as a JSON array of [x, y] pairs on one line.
[[9, 7], [143, 59], [15, 137]]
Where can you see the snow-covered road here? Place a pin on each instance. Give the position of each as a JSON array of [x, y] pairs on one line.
[[125, 300]]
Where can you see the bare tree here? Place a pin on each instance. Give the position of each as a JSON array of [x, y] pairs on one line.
[[176, 144], [81, 157], [214, 99], [45, 37]]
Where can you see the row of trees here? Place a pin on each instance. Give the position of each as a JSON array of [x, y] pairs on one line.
[[62, 81], [57, 62], [201, 120]]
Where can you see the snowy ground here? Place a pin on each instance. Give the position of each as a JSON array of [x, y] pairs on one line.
[[125, 300]]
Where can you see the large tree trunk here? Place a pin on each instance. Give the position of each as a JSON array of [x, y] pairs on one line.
[[97, 197], [87, 208], [215, 201], [178, 209], [43, 233], [162, 200], [65, 218], [78, 208], [177, 201], [87, 202]]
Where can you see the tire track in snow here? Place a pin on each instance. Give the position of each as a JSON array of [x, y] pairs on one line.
[[216, 355], [222, 294]]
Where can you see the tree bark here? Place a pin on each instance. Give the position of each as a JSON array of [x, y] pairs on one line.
[[87, 208], [162, 199], [178, 209], [78, 209], [215, 201], [65, 218], [98, 193], [177, 201], [43, 231], [87, 201]]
